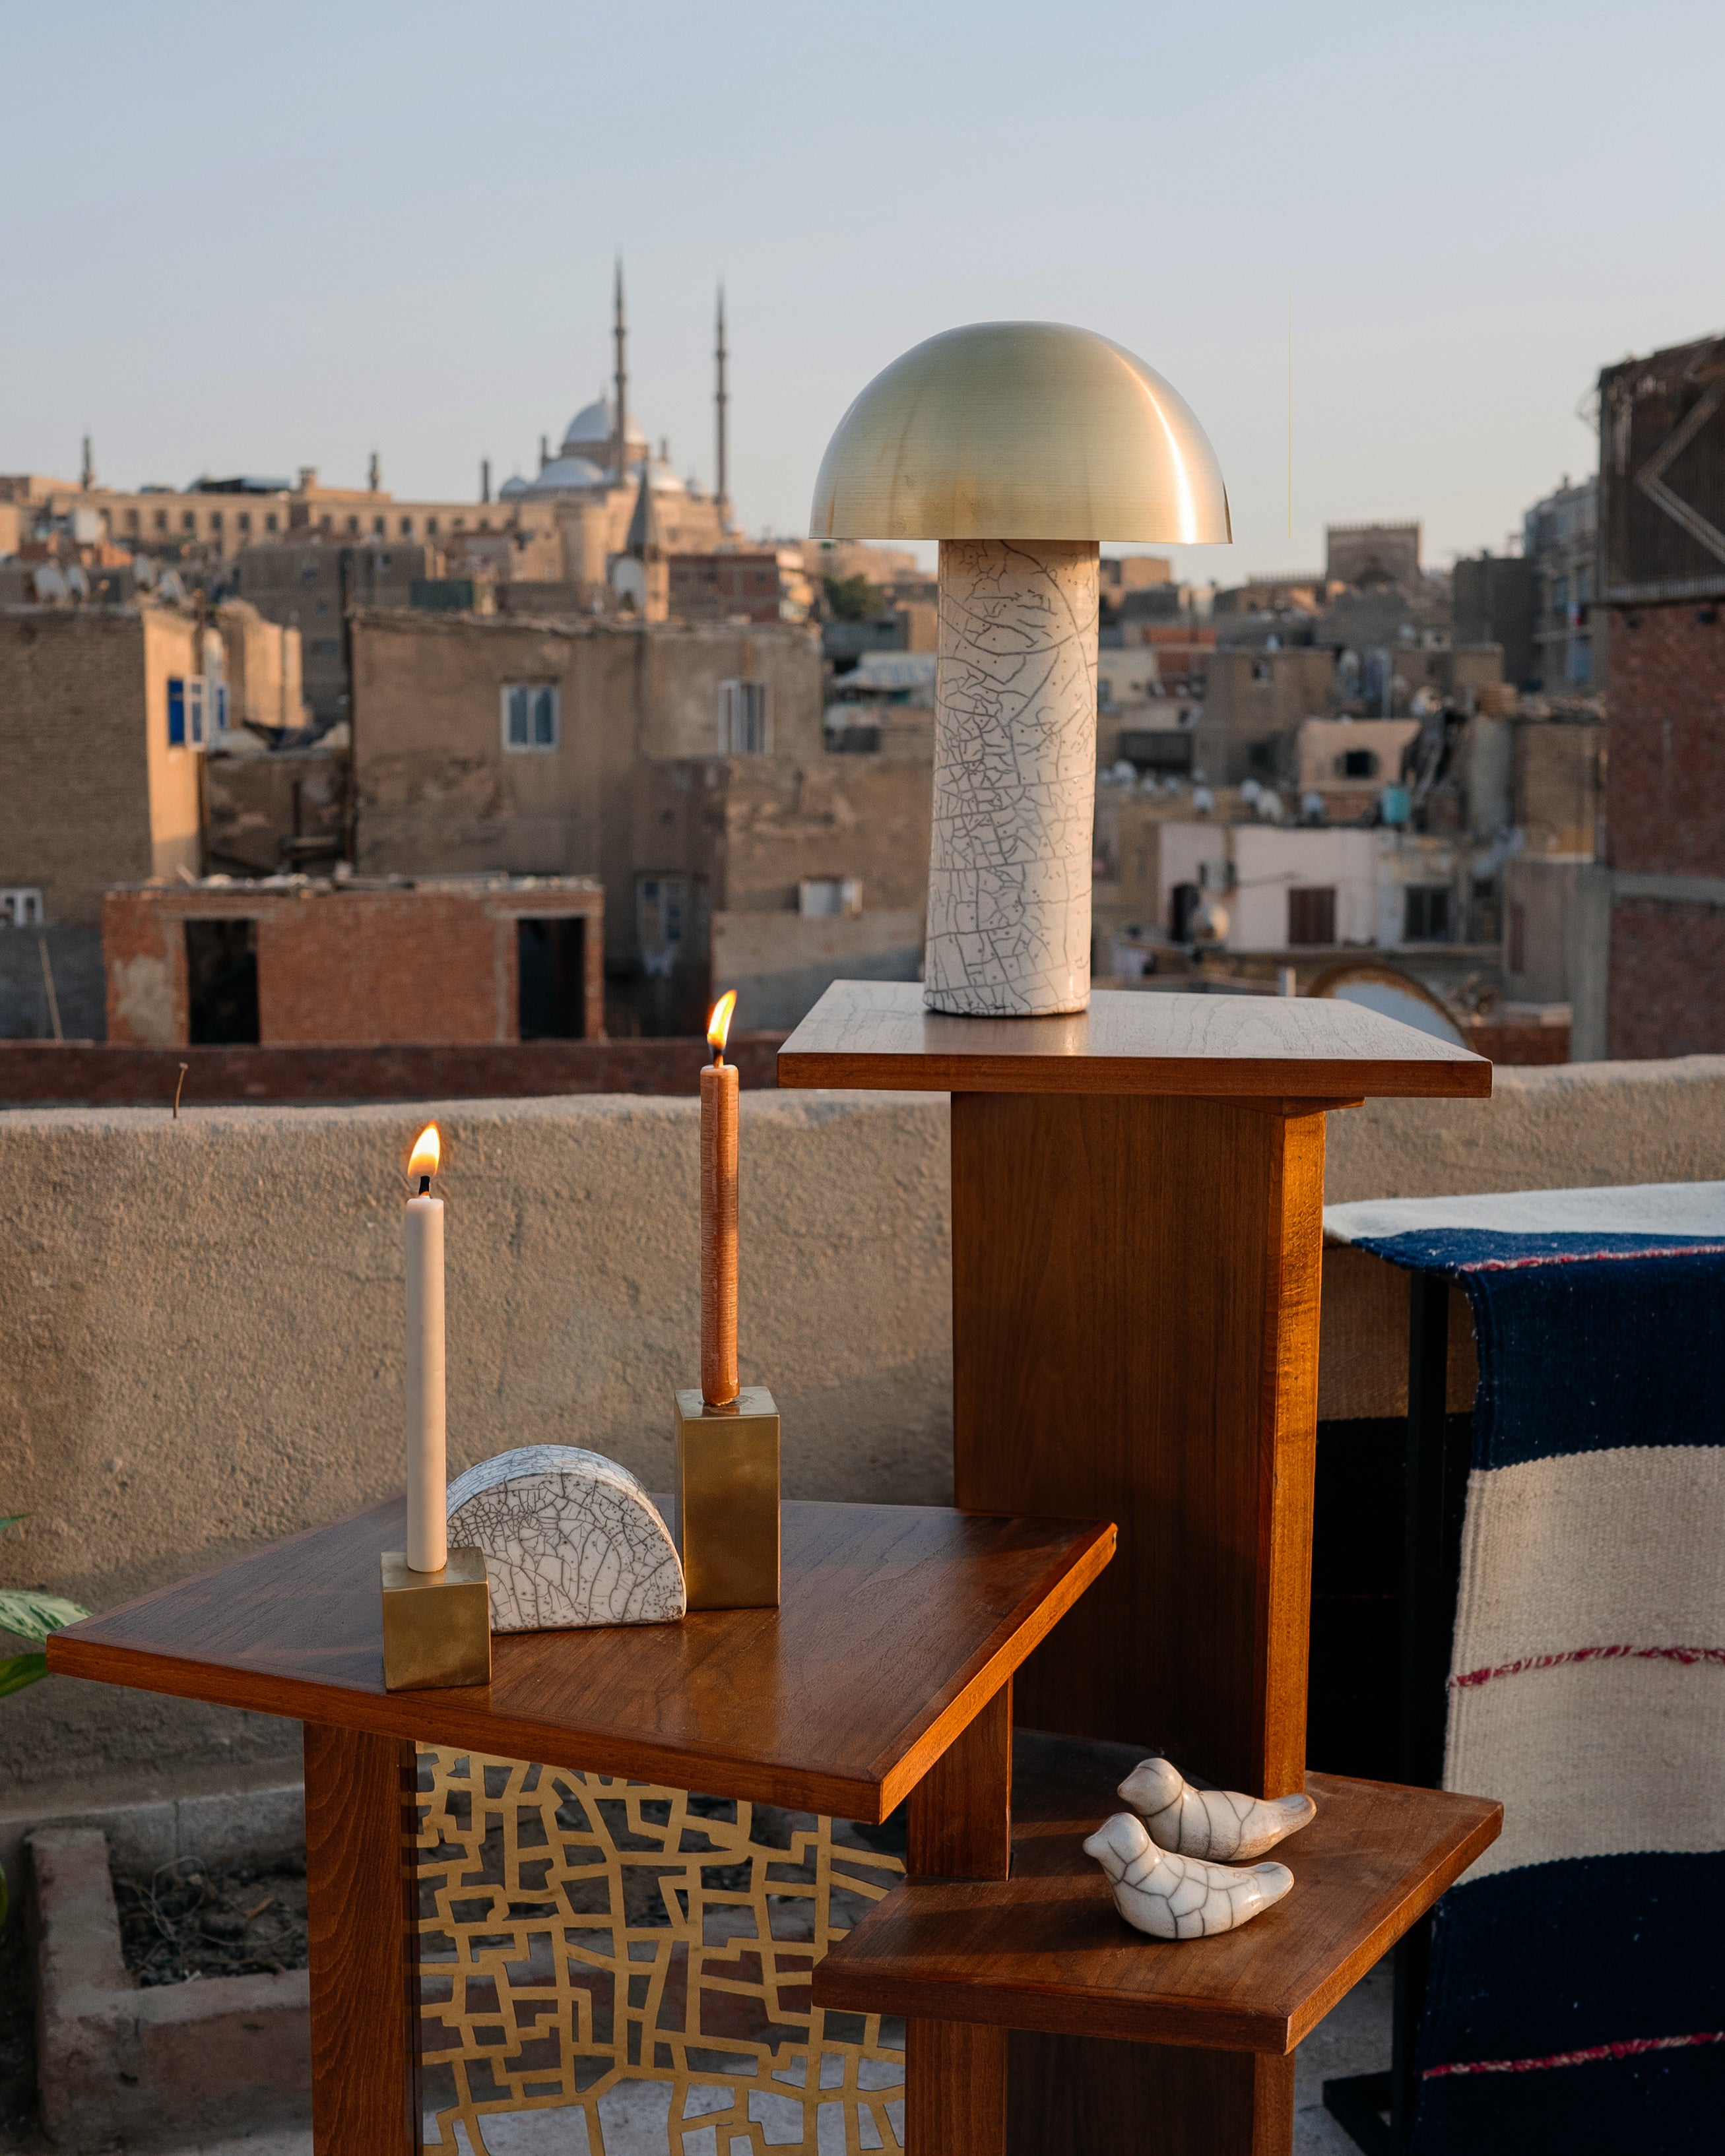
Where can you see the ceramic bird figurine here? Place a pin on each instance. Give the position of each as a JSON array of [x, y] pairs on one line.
[[1179, 1898], [1220, 1825]]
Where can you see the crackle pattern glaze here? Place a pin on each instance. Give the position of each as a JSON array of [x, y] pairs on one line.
[[1220, 1825], [570, 1539], [1179, 1898], [1015, 777]]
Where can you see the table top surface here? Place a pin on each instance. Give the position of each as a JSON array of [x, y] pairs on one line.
[[877, 1033], [1046, 1949], [898, 1623]]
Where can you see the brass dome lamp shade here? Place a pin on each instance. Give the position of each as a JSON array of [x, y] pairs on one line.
[[1020, 430], [1019, 446]]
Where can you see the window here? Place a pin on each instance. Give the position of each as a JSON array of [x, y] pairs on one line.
[[742, 718], [325, 524], [308, 573], [185, 711], [1427, 916], [22, 907], [244, 520], [407, 527], [532, 718], [1261, 670], [353, 525], [820, 898], [378, 525], [222, 980], [431, 526], [162, 519], [215, 520], [1356, 763], [269, 521], [1312, 914], [550, 972], [189, 522], [132, 519], [661, 905]]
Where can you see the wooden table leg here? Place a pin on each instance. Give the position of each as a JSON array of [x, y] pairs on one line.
[[362, 1921], [961, 1828]]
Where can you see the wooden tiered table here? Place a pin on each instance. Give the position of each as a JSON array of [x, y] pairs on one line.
[[885, 1674], [1136, 1232]]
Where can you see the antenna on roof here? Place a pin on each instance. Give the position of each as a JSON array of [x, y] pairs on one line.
[[720, 399]]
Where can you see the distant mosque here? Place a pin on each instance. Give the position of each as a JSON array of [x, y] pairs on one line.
[[605, 479]]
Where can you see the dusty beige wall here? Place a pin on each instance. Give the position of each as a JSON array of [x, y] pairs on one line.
[[200, 1322], [1543, 1129]]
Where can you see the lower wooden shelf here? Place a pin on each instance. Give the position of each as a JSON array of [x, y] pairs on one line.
[[1045, 1949]]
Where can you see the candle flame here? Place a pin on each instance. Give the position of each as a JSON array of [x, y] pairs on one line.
[[719, 1026], [426, 1152]]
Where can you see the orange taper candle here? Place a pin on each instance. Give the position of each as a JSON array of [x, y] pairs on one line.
[[718, 1213]]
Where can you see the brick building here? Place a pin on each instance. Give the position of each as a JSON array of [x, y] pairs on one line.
[[1651, 918], [332, 964], [100, 776], [682, 764]]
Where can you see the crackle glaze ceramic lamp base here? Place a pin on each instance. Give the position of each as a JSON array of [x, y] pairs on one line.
[[1019, 446]]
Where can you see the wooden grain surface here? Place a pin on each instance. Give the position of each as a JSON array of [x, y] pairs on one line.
[[961, 1813], [1135, 1336], [899, 1623], [1075, 2095], [877, 1033], [961, 1827], [954, 2089], [362, 1916], [1046, 1949]]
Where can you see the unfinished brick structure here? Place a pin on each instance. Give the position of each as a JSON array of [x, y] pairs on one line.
[[299, 963], [91, 790], [1659, 907]]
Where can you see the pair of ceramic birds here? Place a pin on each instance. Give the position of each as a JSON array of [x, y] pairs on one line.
[[1184, 1870]]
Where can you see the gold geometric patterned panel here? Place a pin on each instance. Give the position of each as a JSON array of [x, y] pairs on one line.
[[642, 1956]]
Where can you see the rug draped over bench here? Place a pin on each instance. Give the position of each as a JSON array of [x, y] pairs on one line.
[[1577, 1995]]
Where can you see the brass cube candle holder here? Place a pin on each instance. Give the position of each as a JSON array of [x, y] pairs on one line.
[[728, 1500], [437, 1625]]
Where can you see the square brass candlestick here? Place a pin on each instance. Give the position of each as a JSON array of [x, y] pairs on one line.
[[728, 1500], [437, 1625]]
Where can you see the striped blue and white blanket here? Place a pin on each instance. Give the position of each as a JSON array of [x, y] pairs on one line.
[[1577, 1998]]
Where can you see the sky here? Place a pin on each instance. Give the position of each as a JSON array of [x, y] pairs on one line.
[[245, 239]]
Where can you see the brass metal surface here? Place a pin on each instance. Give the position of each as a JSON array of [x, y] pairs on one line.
[[1020, 430], [437, 1625], [727, 1500], [583, 1938]]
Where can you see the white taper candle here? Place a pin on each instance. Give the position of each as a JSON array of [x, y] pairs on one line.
[[427, 1531]]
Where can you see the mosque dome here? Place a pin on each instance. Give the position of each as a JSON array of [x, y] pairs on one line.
[[595, 427], [511, 487], [660, 477], [561, 473]]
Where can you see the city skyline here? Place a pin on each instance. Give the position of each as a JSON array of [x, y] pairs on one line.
[[235, 258]]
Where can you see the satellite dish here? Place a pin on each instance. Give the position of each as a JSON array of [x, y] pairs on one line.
[[1388, 990]]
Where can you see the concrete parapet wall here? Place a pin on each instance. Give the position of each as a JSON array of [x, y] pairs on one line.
[[201, 1322]]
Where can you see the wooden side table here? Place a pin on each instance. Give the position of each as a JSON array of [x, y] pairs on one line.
[[1137, 1223], [885, 1674]]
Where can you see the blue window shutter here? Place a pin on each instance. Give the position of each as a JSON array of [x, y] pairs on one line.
[[176, 712]]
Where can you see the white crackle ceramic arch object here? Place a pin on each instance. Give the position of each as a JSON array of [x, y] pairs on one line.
[[1220, 1825], [570, 1540], [1180, 1897]]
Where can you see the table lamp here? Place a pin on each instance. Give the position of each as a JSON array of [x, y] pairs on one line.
[[1018, 446]]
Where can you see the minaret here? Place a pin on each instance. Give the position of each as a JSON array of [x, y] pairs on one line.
[[719, 401], [621, 459]]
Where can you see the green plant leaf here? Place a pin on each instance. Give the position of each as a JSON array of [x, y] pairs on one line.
[[11, 1520], [20, 1671], [33, 1615]]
